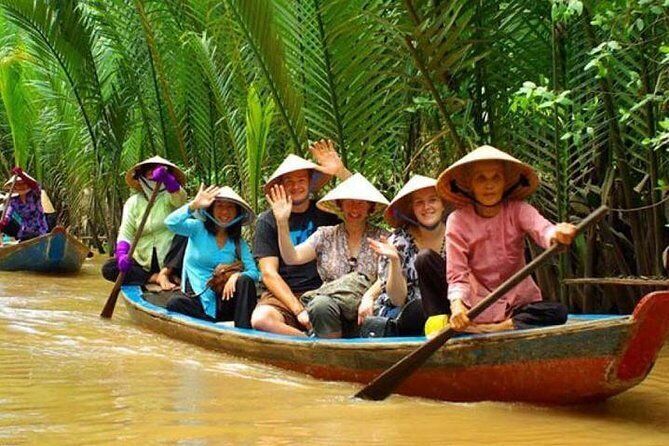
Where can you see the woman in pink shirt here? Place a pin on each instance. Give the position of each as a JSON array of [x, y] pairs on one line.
[[485, 241]]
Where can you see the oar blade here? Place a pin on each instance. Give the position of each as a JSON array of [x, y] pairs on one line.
[[384, 384]]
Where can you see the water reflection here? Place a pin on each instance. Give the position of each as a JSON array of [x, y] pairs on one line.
[[66, 376]]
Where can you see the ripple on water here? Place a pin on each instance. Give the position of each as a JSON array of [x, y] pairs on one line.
[[68, 377]]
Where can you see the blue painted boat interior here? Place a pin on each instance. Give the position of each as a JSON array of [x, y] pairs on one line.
[[134, 295], [51, 254]]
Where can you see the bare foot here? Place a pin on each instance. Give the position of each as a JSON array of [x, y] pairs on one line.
[[165, 282], [490, 328]]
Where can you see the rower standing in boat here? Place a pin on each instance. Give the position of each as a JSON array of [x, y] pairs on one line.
[[485, 241], [159, 253], [25, 218], [216, 241], [279, 310], [346, 263], [412, 262]]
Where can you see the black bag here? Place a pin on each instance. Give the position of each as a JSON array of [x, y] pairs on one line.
[[409, 322], [378, 327]]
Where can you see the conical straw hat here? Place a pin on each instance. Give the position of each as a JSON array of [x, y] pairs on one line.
[[401, 204], [18, 179], [228, 194], [354, 188], [134, 183], [293, 163], [456, 176]]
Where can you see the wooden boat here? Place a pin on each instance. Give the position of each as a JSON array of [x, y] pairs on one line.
[[57, 251], [591, 358]]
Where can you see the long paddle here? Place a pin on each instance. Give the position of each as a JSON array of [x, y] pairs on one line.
[[384, 384], [108, 310], [9, 197]]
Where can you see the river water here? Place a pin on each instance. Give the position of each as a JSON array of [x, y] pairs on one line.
[[68, 377]]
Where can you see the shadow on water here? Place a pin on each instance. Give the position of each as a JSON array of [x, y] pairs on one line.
[[69, 377]]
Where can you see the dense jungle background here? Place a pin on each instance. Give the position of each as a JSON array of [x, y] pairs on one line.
[[227, 88]]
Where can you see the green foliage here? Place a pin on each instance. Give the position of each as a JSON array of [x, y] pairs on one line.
[[226, 89]]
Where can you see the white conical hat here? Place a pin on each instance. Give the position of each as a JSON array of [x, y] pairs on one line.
[[228, 194], [401, 204], [18, 179], [454, 179], [354, 188], [134, 182], [293, 163]]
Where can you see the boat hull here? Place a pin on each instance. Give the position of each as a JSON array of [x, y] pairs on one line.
[[57, 251], [575, 363]]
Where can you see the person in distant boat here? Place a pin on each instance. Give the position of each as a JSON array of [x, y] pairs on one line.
[[412, 260], [279, 309], [215, 241], [159, 253], [345, 261], [49, 210], [485, 241], [25, 217]]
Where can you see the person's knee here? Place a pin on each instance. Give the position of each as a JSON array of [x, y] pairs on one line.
[[109, 270], [561, 313], [263, 318], [325, 315], [244, 280], [424, 260]]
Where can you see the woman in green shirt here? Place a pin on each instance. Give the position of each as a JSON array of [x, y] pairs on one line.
[[159, 252]]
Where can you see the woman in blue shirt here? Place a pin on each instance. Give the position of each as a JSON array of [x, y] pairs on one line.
[[217, 240]]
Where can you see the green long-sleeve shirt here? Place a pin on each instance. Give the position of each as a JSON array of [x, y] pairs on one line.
[[155, 233]]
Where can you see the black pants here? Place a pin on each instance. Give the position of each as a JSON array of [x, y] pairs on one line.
[[238, 308], [138, 275], [539, 314], [12, 229], [431, 269]]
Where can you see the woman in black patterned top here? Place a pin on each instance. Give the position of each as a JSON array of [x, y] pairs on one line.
[[412, 260]]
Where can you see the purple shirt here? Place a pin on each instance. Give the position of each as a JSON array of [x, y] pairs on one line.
[[31, 215], [484, 252]]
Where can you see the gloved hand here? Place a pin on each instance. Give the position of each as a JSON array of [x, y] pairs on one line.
[[123, 259], [161, 175], [16, 170]]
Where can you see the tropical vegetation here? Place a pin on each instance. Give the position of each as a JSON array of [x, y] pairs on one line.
[[227, 88]]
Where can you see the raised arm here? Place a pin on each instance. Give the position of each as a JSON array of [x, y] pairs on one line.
[[281, 205], [395, 282], [329, 162], [180, 221]]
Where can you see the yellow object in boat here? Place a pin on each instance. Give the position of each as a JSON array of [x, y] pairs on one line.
[[435, 324]]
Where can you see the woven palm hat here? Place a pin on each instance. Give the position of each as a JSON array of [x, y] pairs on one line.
[[355, 187], [18, 180], [293, 163], [226, 193], [455, 179], [401, 204], [174, 169]]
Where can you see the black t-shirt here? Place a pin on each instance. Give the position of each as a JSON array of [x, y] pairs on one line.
[[299, 278]]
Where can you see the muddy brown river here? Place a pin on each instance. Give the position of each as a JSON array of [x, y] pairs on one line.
[[68, 377]]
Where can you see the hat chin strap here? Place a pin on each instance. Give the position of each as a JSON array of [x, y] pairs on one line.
[[522, 181], [238, 218], [417, 223], [147, 187]]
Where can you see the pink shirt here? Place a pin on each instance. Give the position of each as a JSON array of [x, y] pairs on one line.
[[484, 252]]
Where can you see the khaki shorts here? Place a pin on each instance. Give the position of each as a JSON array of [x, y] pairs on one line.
[[267, 298]]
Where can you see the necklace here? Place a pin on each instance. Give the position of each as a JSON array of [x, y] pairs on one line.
[[418, 237]]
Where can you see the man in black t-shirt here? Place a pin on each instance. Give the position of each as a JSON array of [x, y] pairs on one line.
[[279, 309]]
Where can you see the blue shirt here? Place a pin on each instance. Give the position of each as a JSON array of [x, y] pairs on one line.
[[203, 255]]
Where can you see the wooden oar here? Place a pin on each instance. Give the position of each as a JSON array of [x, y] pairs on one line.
[[108, 309], [9, 197], [384, 384]]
